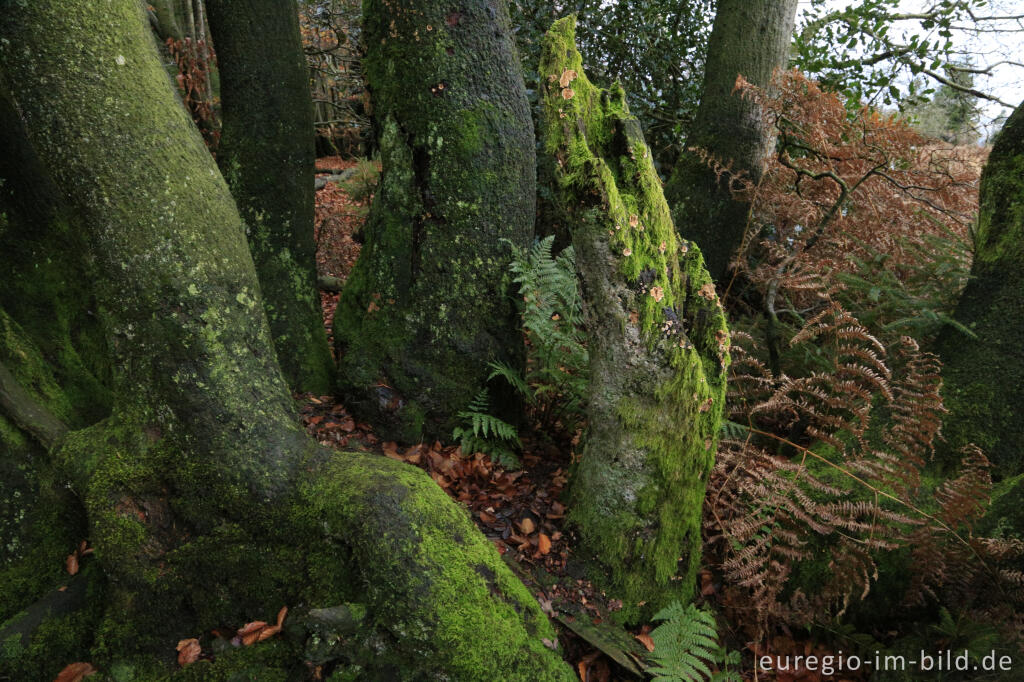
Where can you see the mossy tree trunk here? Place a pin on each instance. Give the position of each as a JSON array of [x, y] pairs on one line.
[[428, 305], [206, 503], [657, 341], [750, 38], [984, 378], [266, 154]]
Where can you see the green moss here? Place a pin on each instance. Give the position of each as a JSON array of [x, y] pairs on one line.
[[431, 581], [659, 345]]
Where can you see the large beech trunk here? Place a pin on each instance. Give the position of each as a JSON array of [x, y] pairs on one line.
[[750, 38], [428, 305], [984, 378], [657, 341], [266, 154], [206, 503]]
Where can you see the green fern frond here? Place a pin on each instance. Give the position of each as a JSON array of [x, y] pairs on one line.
[[685, 645]]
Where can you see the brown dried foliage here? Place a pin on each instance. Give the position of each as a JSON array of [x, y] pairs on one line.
[[833, 421]]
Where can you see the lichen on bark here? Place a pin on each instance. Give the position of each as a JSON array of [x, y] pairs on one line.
[[658, 342]]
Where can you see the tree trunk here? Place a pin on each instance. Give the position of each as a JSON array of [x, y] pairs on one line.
[[207, 505], [167, 19], [657, 342], [266, 154], [750, 38], [428, 305], [983, 379]]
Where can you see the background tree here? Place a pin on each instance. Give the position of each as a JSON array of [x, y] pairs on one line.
[[428, 304], [749, 39], [952, 114], [205, 502], [880, 53], [657, 343], [266, 154]]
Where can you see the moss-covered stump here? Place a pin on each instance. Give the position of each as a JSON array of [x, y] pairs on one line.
[[266, 153], [428, 304], [984, 378], [658, 343]]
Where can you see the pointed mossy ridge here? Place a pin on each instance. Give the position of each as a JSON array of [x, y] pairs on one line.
[[651, 545]]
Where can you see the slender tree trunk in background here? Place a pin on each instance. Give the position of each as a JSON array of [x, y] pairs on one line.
[[190, 20], [657, 341], [984, 379], [207, 504], [167, 19], [428, 304], [266, 154], [749, 38]]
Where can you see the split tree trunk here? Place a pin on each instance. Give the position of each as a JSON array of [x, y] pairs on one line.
[[206, 503], [428, 304], [984, 379], [657, 341], [266, 154], [750, 38]]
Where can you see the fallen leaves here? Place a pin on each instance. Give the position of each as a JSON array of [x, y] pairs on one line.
[[190, 650], [258, 631], [72, 562], [74, 672], [646, 640]]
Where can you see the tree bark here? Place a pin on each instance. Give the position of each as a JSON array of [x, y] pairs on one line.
[[207, 504], [266, 153], [657, 342], [983, 379], [428, 304], [167, 19], [750, 38]]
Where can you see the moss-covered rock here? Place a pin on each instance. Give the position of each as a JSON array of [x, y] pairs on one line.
[[658, 342]]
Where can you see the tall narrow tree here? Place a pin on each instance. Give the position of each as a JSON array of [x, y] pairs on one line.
[[750, 38], [428, 305], [266, 154]]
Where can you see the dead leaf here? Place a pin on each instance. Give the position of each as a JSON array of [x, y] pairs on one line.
[[71, 563], [74, 672], [250, 632], [646, 640], [543, 543], [527, 525], [188, 651]]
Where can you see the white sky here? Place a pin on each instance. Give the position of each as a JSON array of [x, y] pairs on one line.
[[1001, 41]]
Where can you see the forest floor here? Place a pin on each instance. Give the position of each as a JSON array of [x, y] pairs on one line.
[[519, 511]]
